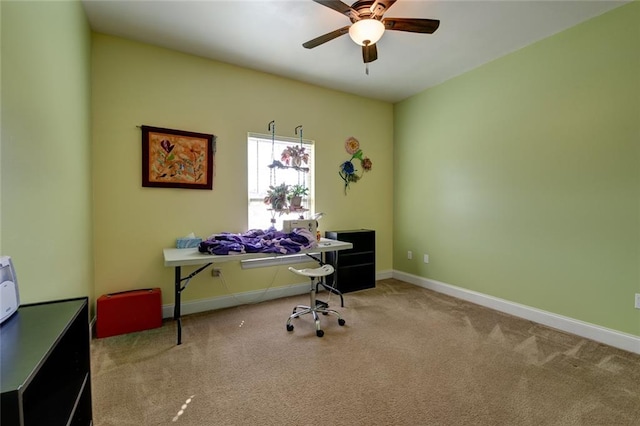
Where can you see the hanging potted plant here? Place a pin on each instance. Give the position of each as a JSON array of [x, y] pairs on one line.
[[295, 156], [295, 195], [277, 197]]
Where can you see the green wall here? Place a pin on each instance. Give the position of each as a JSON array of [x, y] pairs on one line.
[[45, 174], [521, 178], [136, 84]]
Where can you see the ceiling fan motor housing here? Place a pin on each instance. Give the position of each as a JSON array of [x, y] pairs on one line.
[[363, 7]]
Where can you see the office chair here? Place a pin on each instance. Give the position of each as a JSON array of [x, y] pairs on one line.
[[314, 307]]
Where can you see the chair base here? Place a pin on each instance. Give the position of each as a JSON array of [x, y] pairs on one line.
[[307, 310], [316, 307]]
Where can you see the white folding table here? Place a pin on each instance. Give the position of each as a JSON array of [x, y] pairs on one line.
[[177, 258]]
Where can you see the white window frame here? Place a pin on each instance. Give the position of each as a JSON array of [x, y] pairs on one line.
[[260, 176]]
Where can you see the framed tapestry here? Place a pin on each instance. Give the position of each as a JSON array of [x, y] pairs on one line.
[[177, 158]]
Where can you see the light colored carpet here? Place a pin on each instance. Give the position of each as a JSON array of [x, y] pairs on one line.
[[406, 356]]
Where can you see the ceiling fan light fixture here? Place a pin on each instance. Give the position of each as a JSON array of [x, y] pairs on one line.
[[366, 31]]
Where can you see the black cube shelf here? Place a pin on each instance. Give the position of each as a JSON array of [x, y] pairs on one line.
[[356, 267], [45, 363]]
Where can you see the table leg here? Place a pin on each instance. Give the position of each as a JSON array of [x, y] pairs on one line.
[[176, 306], [177, 295]]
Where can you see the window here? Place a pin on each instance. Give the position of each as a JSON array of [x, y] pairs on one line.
[[264, 151]]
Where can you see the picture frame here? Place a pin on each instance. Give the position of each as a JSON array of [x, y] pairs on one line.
[[177, 158]]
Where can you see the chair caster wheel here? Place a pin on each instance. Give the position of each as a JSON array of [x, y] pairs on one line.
[[289, 327], [319, 333], [341, 321]]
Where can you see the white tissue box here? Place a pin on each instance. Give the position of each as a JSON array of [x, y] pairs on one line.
[[188, 242]]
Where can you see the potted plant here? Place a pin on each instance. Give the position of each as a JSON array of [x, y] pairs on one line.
[[294, 156], [277, 196], [295, 194]]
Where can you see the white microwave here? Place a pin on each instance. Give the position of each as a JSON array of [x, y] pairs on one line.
[[9, 295]]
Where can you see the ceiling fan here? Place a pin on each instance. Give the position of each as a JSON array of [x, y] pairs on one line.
[[368, 26]]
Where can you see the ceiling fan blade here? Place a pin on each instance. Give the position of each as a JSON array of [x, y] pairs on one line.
[[339, 6], [412, 25], [369, 53], [326, 37]]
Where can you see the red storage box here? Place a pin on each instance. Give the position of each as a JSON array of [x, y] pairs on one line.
[[128, 311]]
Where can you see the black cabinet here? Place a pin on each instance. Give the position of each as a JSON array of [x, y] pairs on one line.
[[356, 267], [45, 368]]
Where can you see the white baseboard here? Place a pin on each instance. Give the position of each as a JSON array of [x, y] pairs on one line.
[[238, 299], [610, 337], [600, 334], [92, 325], [383, 275]]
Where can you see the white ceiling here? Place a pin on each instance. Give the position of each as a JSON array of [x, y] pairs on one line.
[[267, 35]]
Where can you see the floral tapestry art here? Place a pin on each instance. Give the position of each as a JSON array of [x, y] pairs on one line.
[[179, 159]]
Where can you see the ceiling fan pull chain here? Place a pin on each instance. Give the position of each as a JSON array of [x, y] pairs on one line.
[[366, 68]]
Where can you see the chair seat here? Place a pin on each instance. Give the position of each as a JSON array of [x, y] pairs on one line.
[[322, 271], [314, 307]]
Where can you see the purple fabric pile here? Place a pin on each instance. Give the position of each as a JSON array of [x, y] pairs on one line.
[[258, 241]]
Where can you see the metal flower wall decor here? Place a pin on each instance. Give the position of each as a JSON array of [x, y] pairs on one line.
[[348, 171]]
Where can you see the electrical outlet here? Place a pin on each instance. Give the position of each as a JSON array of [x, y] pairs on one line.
[[215, 272], [409, 255], [637, 300], [426, 258]]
